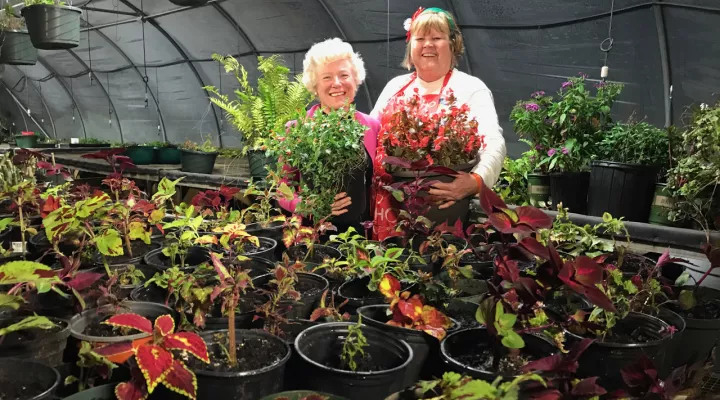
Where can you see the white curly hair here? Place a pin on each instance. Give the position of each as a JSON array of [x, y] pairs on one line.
[[328, 51]]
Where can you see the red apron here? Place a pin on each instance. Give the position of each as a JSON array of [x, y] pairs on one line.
[[385, 215]]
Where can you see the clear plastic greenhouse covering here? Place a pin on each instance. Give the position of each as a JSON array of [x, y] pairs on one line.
[[515, 46]]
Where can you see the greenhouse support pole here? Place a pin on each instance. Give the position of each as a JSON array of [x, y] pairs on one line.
[[664, 60], [22, 106]]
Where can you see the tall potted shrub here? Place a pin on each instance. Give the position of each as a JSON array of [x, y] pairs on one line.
[[565, 132], [16, 47], [260, 111], [630, 157], [52, 25]]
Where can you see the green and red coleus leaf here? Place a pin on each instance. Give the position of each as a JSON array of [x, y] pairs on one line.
[[135, 389], [114, 349], [389, 286], [188, 341], [164, 325], [181, 380], [83, 280], [154, 362], [133, 321]]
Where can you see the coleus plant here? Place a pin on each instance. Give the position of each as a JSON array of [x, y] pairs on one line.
[[328, 312], [642, 381], [453, 386], [687, 298], [118, 162], [92, 365], [181, 234], [354, 345], [261, 211], [155, 361], [410, 312], [295, 233], [189, 291], [216, 204], [281, 296]]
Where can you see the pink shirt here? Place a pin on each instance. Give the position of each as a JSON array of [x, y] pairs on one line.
[[370, 141]]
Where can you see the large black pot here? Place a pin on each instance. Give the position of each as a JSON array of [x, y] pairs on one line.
[[45, 346], [700, 335], [623, 190], [17, 49], [124, 290], [136, 258], [356, 187], [53, 27], [476, 340], [27, 379], [460, 210], [247, 385], [311, 288], [605, 359], [268, 253], [321, 344], [197, 162], [189, 3], [425, 347], [273, 230], [570, 189], [318, 253], [195, 256]]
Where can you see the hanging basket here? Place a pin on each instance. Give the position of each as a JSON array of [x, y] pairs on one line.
[[189, 3], [17, 49], [53, 27]]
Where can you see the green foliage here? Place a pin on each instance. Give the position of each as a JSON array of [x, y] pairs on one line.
[[513, 187], [44, 2], [92, 141], [635, 143], [325, 148], [493, 312], [259, 112], [90, 364], [206, 147], [10, 174], [131, 276], [694, 179], [354, 345], [109, 243], [8, 20], [10, 301], [33, 322], [453, 386], [262, 210], [583, 240], [31, 273]]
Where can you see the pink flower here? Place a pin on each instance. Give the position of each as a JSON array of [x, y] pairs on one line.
[[551, 152], [566, 84], [565, 150], [538, 94], [532, 107]]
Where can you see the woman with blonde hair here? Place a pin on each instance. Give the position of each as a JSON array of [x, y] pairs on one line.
[[332, 71], [434, 44]]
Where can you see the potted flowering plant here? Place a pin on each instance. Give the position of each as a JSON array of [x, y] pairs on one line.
[[565, 133], [448, 138]]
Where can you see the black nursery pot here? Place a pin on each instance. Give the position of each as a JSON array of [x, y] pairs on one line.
[[319, 253], [623, 190], [458, 346], [425, 347], [701, 334], [53, 27], [45, 346], [273, 230], [321, 345], [17, 48], [310, 286], [266, 249], [606, 359], [357, 294], [196, 255], [22, 379], [140, 249], [570, 189], [250, 384], [197, 161], [124, 291]]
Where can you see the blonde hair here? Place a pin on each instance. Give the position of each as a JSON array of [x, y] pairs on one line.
[[441, 21], [328, 51]]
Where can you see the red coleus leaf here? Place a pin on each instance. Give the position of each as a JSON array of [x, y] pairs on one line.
[[501, 222], [144, 206], [547, 394], [588, 387], [410, 310], [164, 325], [639, 374], [188, 341], [438, 169], [587, 271], [389, 286], [130, 321], [51, 204], [666, 259], [154, 362], [114, 349], [533, 217], [713, 255], [490, 201], [228, 192], [507, 269], [536, 248], [83, 280], [133, 390], [181, 380]]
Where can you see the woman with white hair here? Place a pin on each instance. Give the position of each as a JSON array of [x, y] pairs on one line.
[[332, 71]]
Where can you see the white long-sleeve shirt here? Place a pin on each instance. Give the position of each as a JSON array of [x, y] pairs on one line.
[[467, 89]]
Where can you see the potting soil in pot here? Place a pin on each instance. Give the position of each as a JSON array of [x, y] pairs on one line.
[[252, 354], [480, 356]]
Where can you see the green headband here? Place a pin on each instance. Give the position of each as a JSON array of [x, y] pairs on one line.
[[449, 17]]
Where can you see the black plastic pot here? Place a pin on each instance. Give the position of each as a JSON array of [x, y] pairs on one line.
[[150, 294], [676, 340], [124, 260], [321, 344], [38, 244], [124, 291], [355, 185], [606, 359], [27, 380], [570, 189], [358, 295], [700, 335], [300, 395], [257, 160], [311, 288], [460, 210], [141, 155], [623, 190], [167, 155], [102, 392], [197, 161], [195, 256], [268, 254], [80, 322], [248, 385], [273, 230], [319, 253], [426, 348], [53, 27], [476, 340], [295, 366], [17, 49], [36, 344]]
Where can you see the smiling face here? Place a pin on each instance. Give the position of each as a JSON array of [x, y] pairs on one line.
[[431, 54], [336, 85]]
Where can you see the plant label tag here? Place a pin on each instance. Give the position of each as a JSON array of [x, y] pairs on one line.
[[74, 140], [17, 247]]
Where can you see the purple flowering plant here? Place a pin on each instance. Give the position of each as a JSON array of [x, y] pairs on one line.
[[565, 130]]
